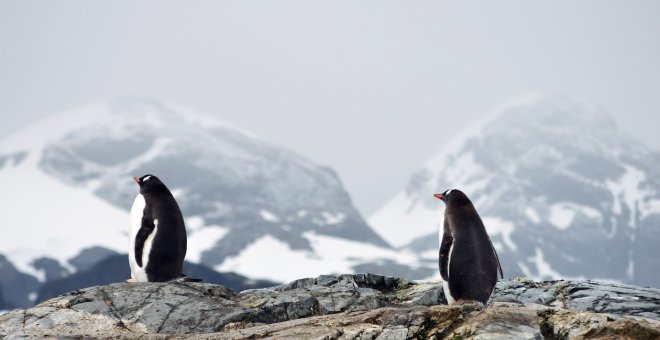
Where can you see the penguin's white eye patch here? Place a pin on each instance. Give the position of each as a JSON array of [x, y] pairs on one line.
[[447, 192], [146, 178]]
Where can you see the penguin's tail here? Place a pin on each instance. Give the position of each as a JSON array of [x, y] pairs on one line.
[[184, 278]]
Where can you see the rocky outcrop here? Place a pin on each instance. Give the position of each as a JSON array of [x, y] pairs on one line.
[[114, 268], [362, 306]]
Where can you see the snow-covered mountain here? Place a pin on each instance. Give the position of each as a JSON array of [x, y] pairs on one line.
[[562, 192], [250, 207]]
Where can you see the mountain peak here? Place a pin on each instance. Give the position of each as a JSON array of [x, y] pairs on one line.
[[557, 109]]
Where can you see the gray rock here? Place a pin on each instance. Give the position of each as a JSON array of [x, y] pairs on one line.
[[614, 298], [361, 306]]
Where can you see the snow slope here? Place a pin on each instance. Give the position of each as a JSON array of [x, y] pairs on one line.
[[272, 258], [45, 217]]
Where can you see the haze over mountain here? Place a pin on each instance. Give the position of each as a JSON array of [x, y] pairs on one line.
[[562, 192], [343, 82]]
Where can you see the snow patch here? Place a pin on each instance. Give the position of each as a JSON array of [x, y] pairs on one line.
[[284, 267], [403, 220], [589, 211], [357, 252], [331, 218], [269, 216], [630, 270], [627, 191], [532, 215], [203, 238], [429, 255], [56, 231], [328, 255], [650, 207], [525, 270], [498, 226], [561, 216], [178, 192], [194, 223], [543, 268]]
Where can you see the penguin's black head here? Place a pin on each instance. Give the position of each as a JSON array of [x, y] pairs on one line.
[[451, 195], [148, 182]]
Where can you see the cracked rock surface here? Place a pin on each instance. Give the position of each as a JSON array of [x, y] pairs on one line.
[[360, 306]]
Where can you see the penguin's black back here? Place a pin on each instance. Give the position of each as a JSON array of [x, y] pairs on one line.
[[473, 266], [168, 248]]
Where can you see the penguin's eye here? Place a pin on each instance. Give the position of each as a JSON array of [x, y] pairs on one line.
[[447, 192], [146, 178]]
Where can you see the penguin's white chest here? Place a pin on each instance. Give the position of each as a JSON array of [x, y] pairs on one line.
[[139, 273], [445, 284]]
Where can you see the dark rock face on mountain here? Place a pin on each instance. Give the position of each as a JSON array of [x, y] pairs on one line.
[[362, 306], [4, 304], [15, 287], [89, 257], [562, 191]]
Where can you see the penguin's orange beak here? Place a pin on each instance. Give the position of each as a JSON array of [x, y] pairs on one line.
[[439, 196], [137, 180]]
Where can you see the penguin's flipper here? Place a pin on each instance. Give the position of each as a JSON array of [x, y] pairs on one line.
[[146, 229], [445, 246]]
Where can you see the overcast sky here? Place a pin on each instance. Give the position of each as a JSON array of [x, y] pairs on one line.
[[370, 88]]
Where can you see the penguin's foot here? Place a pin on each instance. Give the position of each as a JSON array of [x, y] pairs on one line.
[[131, 280], [470, 306]]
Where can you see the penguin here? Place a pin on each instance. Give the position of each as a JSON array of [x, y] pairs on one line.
[[468, 263], [157, 245]]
